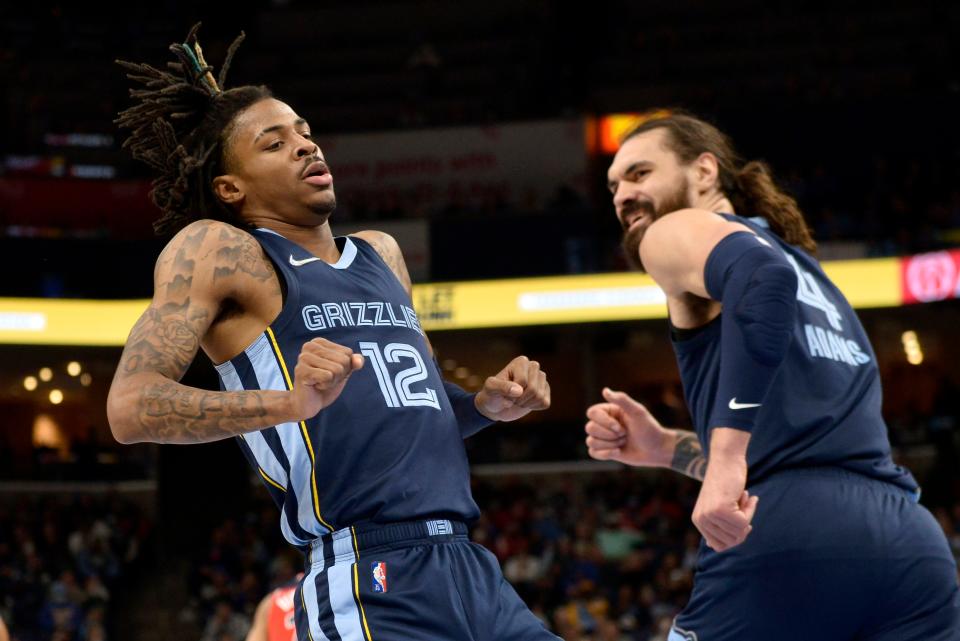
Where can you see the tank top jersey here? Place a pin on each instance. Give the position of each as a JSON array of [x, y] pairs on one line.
[[388, 449], [823, 407]]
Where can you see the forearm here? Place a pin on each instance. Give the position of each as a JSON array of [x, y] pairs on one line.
[[469, 419], [148, 407], [685, 454], [728, 445]]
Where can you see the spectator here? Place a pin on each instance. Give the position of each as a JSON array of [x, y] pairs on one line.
[[226, 624]]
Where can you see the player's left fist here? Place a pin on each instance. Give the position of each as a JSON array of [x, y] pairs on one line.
[[515, 391]]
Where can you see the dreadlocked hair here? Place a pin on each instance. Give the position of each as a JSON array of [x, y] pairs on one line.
[[179, 125], [749, 186]]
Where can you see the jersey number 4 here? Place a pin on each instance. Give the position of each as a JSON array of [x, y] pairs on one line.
[[809, 293], [397, 391]]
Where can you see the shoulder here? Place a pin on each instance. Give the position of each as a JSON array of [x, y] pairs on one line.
[[202, 236], [675, 247], [689, 225], [384, 244], [212, 251], [389, 250]]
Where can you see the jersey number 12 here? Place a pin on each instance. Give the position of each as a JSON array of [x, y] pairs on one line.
[[396, 390]]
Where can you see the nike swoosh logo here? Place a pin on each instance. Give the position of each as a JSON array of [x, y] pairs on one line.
[[297, 263], [734, 405]]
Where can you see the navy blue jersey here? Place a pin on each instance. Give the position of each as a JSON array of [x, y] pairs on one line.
[[389, 448], [823, 407]]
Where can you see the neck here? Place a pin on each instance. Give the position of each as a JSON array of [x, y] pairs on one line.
[[317, 239], [715, 201]]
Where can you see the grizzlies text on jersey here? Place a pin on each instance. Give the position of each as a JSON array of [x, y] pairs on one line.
[[389, 448]]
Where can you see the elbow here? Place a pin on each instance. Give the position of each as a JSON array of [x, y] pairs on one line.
[[119, 417]]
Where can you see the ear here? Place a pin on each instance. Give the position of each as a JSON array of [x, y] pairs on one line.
[[706, 172], [229, 189]]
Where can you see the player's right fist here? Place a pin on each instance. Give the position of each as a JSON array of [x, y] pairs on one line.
[[621, 429], [321, 372]]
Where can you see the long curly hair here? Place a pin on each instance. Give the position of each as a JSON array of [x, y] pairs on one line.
[[749, 185], [179, 125]]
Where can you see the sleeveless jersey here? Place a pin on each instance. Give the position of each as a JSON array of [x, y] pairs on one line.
[[823, 407], [388, 448]]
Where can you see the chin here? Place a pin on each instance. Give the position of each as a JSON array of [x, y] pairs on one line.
[[631, 247], [323, 206]]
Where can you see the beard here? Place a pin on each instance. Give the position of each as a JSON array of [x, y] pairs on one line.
[[675, 200], [325, 207]]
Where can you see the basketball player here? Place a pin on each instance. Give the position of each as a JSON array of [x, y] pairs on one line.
[[274, 618], [328, 379], [810, 530]]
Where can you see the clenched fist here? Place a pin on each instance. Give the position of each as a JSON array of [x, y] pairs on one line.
[[321, 372], [514, 391]]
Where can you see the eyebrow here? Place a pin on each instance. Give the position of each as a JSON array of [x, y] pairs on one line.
[[297, 122], [612, 184]]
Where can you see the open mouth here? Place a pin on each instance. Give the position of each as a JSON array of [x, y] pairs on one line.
[[317, 173], [634, 221]]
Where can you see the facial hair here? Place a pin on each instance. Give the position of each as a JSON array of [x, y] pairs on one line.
[[325, 209], [674, 201]]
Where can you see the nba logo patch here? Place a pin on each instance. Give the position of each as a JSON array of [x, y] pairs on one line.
[[379, 570]]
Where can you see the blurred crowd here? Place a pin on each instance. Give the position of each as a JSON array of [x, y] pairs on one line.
[[602, 556], [597, 556], [63, 561]]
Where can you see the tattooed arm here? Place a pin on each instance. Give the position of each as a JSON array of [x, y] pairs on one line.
[[146, 401], [688, 455], [621, 429]]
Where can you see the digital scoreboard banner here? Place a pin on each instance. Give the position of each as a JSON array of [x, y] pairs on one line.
[[608, 297], [870, 283]]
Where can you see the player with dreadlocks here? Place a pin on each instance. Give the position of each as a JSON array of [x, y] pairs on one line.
[[366, 463], [191, 99]]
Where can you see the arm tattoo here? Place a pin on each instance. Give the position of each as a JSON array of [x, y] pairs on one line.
[[239, 253], [166, 338], [688, 456], [173, 413]]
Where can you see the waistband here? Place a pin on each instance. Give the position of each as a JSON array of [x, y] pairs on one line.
[[830, 471], [349, 542]]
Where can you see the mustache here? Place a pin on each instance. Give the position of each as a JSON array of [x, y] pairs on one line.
[[312, 159], [642, 206]]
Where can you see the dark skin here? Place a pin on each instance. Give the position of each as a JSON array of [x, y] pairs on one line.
[[215, 289]]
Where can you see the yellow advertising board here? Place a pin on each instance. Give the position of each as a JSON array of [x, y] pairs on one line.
[[446, 306]]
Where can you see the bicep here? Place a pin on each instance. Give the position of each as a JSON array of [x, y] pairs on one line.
[[676, 247], [167, 335]]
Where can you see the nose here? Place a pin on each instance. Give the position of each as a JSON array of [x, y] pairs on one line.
[[622, 197], [306, 147]]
